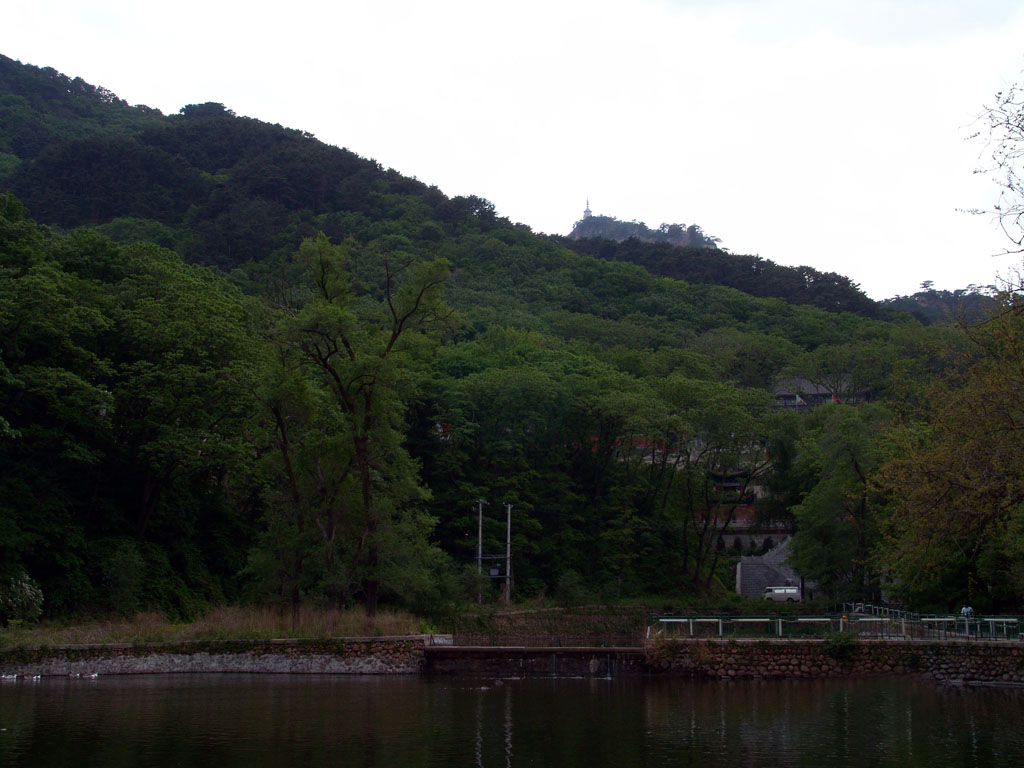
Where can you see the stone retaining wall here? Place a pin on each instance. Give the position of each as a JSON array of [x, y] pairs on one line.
[[383, 655], [535, 661], [953, 662]]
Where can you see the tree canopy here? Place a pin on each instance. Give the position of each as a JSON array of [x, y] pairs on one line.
[[239, 364]]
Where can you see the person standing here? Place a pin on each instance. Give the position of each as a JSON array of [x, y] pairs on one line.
[[968, 613]]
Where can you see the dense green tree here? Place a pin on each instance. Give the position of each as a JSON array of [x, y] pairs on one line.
[[952, 475], [749, 359], [850, 371], [751, 274], [838, 519], [51, 403], [356, 335], [126, 391], [717, 453], [185, 374]]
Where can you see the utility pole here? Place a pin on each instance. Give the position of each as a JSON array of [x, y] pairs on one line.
[[479, 545], [508, 556]]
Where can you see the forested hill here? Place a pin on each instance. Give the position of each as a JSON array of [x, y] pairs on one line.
[[751, 274], [228, 191], [42, 107], [221, 189], [236, 362]]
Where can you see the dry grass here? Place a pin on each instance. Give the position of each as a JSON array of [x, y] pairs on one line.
[[227, 623]]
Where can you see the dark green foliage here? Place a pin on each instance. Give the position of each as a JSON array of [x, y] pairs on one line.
[[21, 599], [750, 274], [343, 477], [94, 180], [971, 305], [40, 108], [837, 517], [166, 441], [124, 397], [841, 646]]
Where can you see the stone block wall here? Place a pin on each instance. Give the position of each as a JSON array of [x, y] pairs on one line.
[[954, 662], [536, 662], [993, 663], [383, 655]]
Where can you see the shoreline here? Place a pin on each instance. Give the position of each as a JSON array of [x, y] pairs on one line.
[[386, 655], [996, 663]]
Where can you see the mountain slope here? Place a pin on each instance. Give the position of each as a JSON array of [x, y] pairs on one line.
[[751, 274], [549, 384], [234, 191]]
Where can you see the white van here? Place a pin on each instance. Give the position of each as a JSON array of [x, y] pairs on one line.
[[782, 594]]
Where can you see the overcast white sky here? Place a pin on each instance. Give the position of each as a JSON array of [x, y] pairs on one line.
[[811, 132]]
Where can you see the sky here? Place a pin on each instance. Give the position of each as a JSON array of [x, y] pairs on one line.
[[828, 133]]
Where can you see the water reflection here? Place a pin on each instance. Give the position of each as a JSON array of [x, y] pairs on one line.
[[227, 721]]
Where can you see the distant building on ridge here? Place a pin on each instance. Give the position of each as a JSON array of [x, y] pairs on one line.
[[611, 228]]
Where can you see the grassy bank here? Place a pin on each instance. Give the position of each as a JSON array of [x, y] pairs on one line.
[[226, 623], [535, 618]]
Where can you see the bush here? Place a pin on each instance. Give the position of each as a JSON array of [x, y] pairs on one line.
[[21, 599], [133, 576], [841, 646], [122, 569], [570, 589]]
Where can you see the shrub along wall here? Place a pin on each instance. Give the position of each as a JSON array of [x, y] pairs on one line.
[[839, 657]]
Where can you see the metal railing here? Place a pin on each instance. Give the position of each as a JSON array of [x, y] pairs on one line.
[[933, 626], [894, 625], [861, 608]]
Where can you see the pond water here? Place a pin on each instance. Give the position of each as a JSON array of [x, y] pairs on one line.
[[307, 721]]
